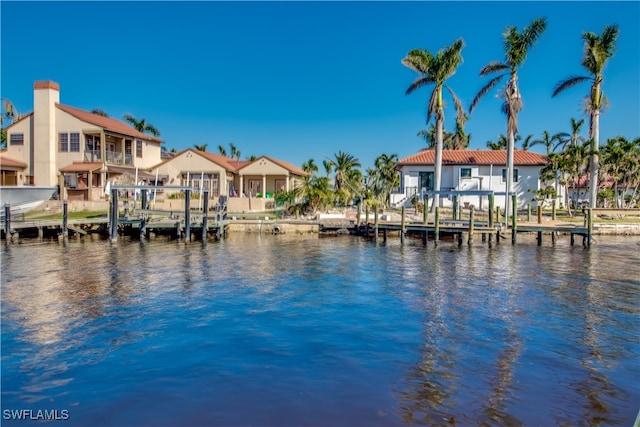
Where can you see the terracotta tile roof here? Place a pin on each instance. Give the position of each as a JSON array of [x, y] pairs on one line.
[[227, 162], [107, 123], [81, 167], [6, 161], [474, 157]]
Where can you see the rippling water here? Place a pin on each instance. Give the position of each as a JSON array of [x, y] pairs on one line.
[[282, 331]]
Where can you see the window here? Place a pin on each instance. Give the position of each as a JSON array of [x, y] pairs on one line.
[[92, 143], [16, 139], [75, 142], [465, 173], [504, 175], [138, 148], [63, 142]]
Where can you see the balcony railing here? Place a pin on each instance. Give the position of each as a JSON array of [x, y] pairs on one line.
[[113, 157]]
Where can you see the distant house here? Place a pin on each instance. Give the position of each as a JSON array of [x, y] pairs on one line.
[[64, 145], [470, 170], [249, 184], [11, 171]]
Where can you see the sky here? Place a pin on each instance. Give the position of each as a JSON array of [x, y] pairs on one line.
[[301, 80]]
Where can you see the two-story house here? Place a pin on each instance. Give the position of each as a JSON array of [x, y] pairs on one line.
[[61, 145]]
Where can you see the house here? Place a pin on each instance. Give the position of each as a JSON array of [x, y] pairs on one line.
[[70, 147], [250, 184], [12, 171], [470, 170]]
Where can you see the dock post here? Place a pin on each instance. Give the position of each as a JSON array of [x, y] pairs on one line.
[[366, 220], [455, 207], [572, 239], [402, 224], [205, 210], [358, 213], [143, 225], [460, 239], [65, 219], [491, 202], [553, 211], [375, 224], [384, 235], [113, 221], [436, 234], [7, 221], [425, 210], [143, 199], [471, 225], [514, 218], [187, 217], [529, 212], [539, 214], [589, 226]]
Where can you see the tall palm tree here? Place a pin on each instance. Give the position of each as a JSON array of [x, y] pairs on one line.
[[235, 153], [436, 69], [222, 150], [202, 147], [597, 51], [347, 175], [516, 46], [386, 175], [141, 125], [620, 160], [527, 143]]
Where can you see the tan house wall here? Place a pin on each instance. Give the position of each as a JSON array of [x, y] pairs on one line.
[[195, 165], [21, 152]]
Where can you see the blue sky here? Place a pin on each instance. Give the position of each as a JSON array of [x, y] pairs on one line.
[[300, 80]]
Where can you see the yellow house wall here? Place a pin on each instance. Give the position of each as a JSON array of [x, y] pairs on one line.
[[195, 165], [21, 152]]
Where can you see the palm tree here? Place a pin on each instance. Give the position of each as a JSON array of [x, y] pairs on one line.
[[235, 153], [597, 51], [436, 69], [141, 125], [547, 140], [222, 150], [310, 167], [573, 138], [386, 175], [347, 176], [516, 45], [99, 112], [620, 160], [527, 143], [202, 147]]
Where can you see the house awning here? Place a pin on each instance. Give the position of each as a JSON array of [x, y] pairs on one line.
[[143, 175], [82, 167]]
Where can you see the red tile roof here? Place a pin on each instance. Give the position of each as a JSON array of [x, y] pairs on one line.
[[288, 166], [107, 123], [6, 161], [475, 157], [81, 167]]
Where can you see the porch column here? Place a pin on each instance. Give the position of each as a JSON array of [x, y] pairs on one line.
[[264, 186], [89, 184], [103, 147], [241, 185], [122, 152], [286, 182]]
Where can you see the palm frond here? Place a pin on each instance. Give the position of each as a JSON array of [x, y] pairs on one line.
[[433, 104], [418, 83], [490, 85], [494, 67], [567, 83], [460, 114]]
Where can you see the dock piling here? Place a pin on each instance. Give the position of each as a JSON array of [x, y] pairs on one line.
[[113, 220], [471, 225], [205, 210], [436, 233], [514, 218], [375, 225], [187, 217], [7, 221], [65, 219], [402, 226]]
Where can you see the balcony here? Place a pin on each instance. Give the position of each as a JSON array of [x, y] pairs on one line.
[[113, 157]]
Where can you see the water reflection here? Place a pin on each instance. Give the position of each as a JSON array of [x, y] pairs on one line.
[[345, 331]]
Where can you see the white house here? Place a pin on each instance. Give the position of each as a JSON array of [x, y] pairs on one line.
[[470, 170]]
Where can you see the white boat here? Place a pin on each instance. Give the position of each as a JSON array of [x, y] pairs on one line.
[[22, 199]]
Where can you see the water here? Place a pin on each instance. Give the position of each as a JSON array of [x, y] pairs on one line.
[[286, 331]]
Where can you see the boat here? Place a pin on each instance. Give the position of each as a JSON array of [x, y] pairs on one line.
[[23, 198]]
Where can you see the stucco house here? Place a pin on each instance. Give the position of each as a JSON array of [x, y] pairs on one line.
[[470, 170], [249, 184], [67, 146]]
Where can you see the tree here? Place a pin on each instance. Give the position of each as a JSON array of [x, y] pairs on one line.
[[573, 138], [597, 51], [436, 69], [99, 112], [347, 180], [516, 46], [202, 147], [141, 125], [385, 177], [527, 143], [547, 140], [621, 161], [222, 150], [310, 167], [235, 153]]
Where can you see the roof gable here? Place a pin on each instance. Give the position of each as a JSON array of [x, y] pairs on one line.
[[9, 162], [106, 123], [475, 157]]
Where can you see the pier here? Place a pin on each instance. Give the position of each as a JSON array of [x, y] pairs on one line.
[[129, 217]]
